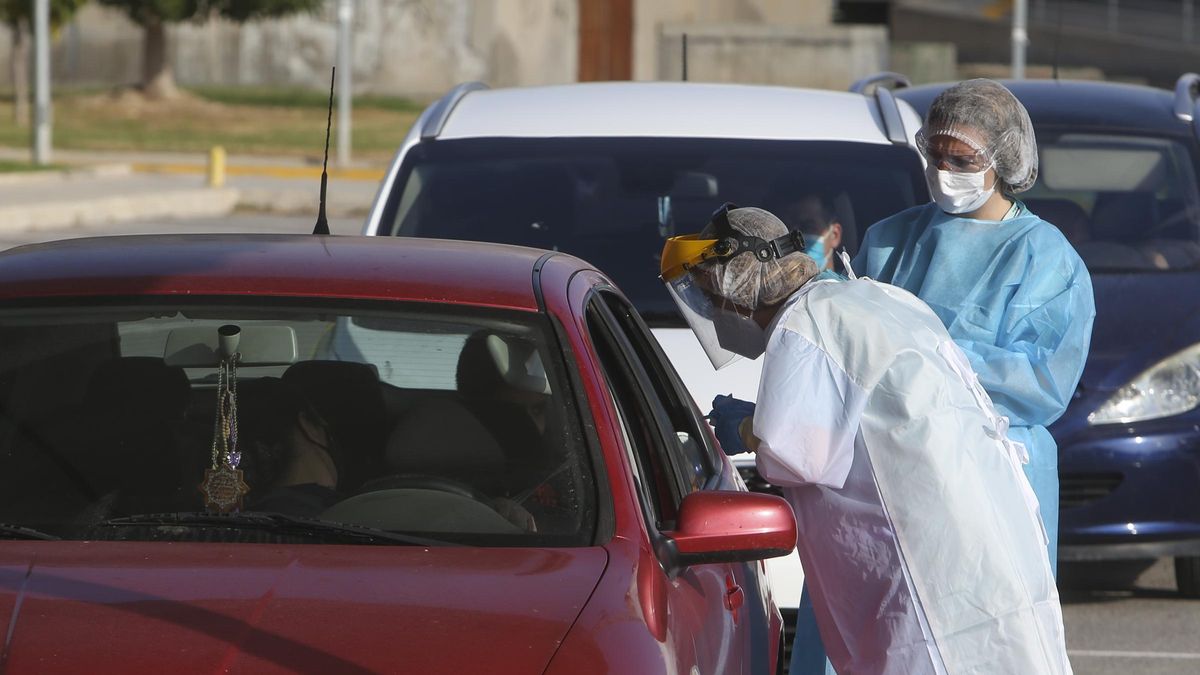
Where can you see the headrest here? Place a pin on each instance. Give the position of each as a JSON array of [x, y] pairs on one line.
[[1123, 216], [339, 390], [139, 385], [1068, 216], [489, 364], [441, 436]]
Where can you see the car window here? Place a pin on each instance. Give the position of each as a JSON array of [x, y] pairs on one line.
[[642, 423], [450, 423], [1127, 203], [613, 201], [693, 456]]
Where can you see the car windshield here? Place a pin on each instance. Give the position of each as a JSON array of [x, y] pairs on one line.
[[1127, 203], [613, 201], [352, 422]]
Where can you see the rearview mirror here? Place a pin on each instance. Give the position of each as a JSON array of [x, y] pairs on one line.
[[731, 526], [259, 345]]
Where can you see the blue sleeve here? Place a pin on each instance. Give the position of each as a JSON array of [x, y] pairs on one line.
[[1032, 366]]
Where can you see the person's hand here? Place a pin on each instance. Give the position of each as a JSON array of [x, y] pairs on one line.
[[726, 418]]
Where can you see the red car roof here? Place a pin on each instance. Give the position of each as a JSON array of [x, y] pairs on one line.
[[273, 265]]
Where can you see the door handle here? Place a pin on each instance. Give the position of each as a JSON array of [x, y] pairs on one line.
[[734, 595]]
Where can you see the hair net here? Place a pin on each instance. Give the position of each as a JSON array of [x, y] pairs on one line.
[[744, 280], [987, 116]]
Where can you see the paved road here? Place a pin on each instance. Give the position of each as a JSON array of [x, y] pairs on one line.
[[1121, 618], [1128, 618]]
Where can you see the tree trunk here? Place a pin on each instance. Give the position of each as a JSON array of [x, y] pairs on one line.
[[158, 82], [20, 72]]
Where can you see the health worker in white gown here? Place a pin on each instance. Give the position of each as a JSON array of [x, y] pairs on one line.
[[918, 531]]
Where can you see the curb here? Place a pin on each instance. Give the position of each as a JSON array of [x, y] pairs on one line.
[[199, 202], [82, 172]]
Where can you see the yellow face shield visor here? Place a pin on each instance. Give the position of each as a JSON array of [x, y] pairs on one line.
[[685, 252]]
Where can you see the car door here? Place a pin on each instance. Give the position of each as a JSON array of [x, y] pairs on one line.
[[717, 619]]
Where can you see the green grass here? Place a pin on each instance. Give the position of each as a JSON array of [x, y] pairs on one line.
[[296, 97], [244, 121]]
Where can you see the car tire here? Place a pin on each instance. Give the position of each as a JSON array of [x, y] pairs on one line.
[[1187, 576]]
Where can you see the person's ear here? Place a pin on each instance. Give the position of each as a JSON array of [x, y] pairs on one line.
[[835, 236]]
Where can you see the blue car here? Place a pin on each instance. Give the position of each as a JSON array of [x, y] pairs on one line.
[[1118, 175]]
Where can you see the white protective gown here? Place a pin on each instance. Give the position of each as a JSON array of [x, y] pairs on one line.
[[918, 531]]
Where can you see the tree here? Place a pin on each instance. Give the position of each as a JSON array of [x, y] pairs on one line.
[[158, 80], [18, 15]]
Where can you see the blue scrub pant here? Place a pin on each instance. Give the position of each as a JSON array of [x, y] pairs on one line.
[[808, 654]]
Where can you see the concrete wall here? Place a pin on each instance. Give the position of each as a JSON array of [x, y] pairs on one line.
[[828, 57], [411, 47], [650, 17], [420, 48], [978, 40]]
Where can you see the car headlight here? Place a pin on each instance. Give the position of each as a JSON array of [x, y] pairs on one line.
[[1169, 387]]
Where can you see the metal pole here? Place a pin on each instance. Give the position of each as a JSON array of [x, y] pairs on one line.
[[41, 78], [1020, 38], [345, 15]]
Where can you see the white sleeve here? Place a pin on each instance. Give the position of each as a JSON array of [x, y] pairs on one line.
[[807, 415]]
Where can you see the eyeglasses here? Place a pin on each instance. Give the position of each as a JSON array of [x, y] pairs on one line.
[[971, 162]]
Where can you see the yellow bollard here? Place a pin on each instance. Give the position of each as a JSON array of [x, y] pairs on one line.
[[216, 167]]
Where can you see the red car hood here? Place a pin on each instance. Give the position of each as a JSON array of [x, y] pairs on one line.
[[74, 607]]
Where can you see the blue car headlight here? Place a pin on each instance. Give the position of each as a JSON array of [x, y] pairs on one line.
[[1169, 387]]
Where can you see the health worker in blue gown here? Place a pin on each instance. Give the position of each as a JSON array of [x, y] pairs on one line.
[[1010, 289]]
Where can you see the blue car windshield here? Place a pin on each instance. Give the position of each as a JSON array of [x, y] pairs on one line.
[[613, 201], [1127, 203]]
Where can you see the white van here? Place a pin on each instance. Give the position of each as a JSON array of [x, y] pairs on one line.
[[607, 171]]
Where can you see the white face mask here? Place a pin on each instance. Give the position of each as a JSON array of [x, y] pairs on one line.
[[958, 192]]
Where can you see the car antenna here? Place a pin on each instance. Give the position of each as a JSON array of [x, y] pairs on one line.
[[322, 226], [684, 59]]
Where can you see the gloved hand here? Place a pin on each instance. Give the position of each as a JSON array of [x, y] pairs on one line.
[[726, 416]]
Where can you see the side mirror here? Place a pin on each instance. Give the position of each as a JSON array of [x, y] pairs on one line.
[[731, 526]]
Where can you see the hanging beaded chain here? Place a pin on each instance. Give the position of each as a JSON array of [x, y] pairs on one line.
[[225, 423]]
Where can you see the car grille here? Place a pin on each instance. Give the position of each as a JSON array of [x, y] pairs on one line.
[[1081, 489], [755, 482]]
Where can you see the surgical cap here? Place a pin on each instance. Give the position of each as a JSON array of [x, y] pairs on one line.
[[984, 113], [744, 280]]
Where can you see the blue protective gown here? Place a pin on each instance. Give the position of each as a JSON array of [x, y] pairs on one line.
[[1018, 300]]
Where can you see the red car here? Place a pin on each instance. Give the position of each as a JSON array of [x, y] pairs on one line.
[[338, 455]]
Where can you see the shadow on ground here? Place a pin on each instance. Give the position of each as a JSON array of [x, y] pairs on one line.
[[1110, 581]]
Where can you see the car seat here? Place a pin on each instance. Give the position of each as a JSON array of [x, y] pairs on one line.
[[1123, 217], [135, 408], [1120, 220]]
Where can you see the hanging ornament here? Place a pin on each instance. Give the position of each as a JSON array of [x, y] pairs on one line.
[[224, 486]]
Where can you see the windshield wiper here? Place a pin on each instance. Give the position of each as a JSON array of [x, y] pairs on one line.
[[271, 522], [18, 532]]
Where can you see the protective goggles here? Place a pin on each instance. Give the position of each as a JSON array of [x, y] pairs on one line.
[[974, 162], [684, 252]]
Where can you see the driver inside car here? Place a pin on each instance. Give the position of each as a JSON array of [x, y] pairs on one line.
[[295, 461]]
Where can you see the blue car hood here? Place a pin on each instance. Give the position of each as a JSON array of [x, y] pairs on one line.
[[1140, 319]]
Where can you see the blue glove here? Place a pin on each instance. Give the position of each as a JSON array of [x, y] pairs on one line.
[[726, 416]]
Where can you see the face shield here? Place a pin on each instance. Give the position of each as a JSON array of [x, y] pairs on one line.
[[692, 268]]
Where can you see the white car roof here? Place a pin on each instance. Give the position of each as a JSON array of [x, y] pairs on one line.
[[667, 109]]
